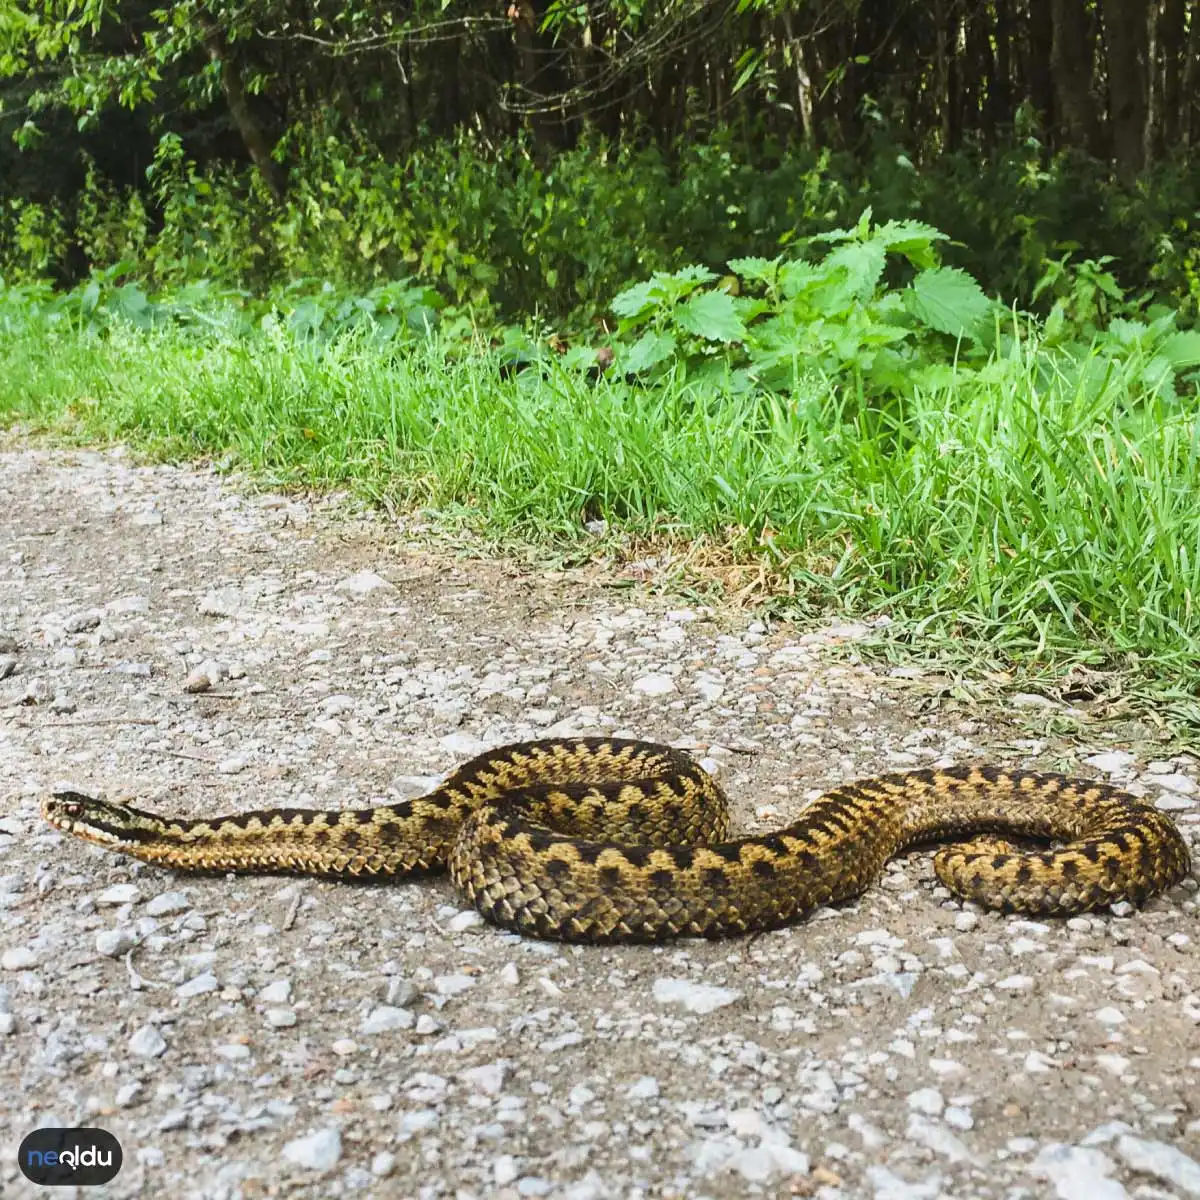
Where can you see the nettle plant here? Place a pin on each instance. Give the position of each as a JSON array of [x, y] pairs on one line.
[[772, 323], [873, 310]]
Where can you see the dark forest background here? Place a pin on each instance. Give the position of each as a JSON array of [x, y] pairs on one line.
[[523, 155]]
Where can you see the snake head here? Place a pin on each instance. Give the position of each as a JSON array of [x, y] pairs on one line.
[[115, 825]]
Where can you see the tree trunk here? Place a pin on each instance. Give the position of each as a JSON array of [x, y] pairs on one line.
[[1000, 97], [1172, 49], [1126, 37], [1039, 70], [1072, 56], [1189, 130], [247, 124]]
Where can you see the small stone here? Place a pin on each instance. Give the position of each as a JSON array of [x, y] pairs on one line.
[[19, 958], [701, 998], [509, 975], [927, 1100], [488, 1079], [504, 1170], [452, 985], [467, 919], [278, 991], [1077, 1172], [1162, 1161], [363, 583], [198, 680], [769, 1160], [167, 904], [462, 745], [937, 1138], [119, 893], [1111, 761], [318, 1151], [280, 1018], [1015, 983], [344, 1047], [964, 922], [387, 1019], [1109, 1016], [147, 1042], [383, 1164], [8, 1023], [198, 986], [654, 685], [83, 621], [645, 1088], [960, 1118], [1184, 785], [234, 1051], [223, 603]]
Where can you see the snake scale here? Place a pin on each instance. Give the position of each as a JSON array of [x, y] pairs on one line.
[[613, 840]]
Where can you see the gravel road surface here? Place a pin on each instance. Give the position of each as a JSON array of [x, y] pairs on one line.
[[172, 635]]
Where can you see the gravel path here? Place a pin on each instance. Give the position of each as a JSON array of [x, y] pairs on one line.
[[167, 636]]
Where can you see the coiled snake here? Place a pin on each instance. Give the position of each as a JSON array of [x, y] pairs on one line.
[[609, 840]]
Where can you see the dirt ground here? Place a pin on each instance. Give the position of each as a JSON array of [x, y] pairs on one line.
[[173, 636]]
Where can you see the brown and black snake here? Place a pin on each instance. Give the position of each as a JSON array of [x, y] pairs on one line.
[[610, 840]]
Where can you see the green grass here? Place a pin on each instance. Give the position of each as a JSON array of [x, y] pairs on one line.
[[1048, 511]]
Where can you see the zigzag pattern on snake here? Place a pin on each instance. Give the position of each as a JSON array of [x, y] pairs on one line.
[[611, 840]]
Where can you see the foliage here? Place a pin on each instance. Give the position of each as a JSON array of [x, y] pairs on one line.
[[507, 235]]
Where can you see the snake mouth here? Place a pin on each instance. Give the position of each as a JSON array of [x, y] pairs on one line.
[[87, 817]]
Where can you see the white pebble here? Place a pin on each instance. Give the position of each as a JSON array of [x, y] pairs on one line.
[[166, 904], [119, 893], [488, 1078], [318, 1151], [645, 1088], [467, 919], [198, 986], [363, 583], [387, 1019], [699, 998], [1109, 1016], [453, 985], [964, 922], [147, 1042], [960, 1118], [280, 1018], [926, 1100], [19, 958], [278, 991], [1162, 1161], [1111, 761], [654, 685], [769, 1160], [1078, 1173]]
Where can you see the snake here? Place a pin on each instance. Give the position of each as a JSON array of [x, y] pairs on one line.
[[607, 840]]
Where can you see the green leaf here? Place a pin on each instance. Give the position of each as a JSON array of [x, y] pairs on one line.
[[762, 269], [950, 301], [712, 316], [634, 301], [648, 351], [1182, 350], [863, 263]]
